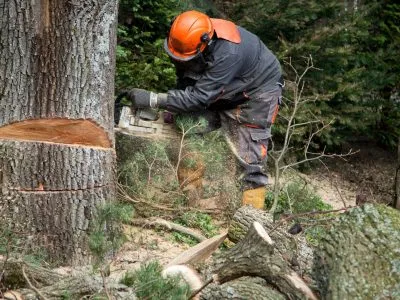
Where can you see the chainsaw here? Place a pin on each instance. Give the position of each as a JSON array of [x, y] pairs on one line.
[[144, 122]]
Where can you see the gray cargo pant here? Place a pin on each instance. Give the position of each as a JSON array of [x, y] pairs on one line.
[[247, 129]]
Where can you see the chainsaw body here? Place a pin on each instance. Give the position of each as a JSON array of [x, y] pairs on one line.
[[146, 123]]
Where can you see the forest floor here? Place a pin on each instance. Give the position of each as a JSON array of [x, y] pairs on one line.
[[367, 175]]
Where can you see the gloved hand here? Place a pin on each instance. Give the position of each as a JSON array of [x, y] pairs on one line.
[[142, 98]]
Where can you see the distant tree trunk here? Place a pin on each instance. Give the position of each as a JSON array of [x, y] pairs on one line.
[[56, 128]]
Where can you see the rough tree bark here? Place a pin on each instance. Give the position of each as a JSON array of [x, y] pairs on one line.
[[358, 257], [254, 288], [293, 248], [256, 255], [279, 263], [56, 119]]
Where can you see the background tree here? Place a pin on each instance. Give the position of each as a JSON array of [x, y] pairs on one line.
[[56, 128], [141, 59], [356, 44]]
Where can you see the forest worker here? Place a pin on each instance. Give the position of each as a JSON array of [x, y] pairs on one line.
[[226, 74]]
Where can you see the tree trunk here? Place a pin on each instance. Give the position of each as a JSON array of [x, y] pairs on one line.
[[358, 257], [56, 120]]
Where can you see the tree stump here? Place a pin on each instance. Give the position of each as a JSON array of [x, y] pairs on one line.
[[57, 156]]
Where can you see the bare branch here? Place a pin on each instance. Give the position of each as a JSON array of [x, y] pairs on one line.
[[287, 218], [319, 156], [31, 285], [305, 123], [154, 222]]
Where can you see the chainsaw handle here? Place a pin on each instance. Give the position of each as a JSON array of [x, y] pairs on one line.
[[118, 106]]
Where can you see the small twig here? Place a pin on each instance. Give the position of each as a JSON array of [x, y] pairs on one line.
[[340, 195], [183, 145], [318, 157], [334, 184], [6, 258], [31, 285], [310, 213], [103, 277], [123, 194], [168, 225], [210, 280]]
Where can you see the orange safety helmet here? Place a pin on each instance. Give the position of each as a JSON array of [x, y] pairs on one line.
[[189, 35]]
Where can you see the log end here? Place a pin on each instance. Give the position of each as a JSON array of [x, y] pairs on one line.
[[299, 284], [262, 233]]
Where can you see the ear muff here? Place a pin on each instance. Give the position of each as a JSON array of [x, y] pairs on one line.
[[205, 38]]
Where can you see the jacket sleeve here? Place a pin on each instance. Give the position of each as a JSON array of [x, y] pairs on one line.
[[207, 89]]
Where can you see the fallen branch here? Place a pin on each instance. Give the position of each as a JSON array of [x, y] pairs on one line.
[[124, 196], [31, 285], [310, 213], [51, 285], [154, 222]]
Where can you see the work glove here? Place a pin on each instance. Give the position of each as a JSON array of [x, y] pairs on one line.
[[142, 98]]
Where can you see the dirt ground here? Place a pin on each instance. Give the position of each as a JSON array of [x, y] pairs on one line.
[[145, 245], [366, 176]]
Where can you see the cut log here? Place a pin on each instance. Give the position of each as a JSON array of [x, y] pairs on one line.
[[200, 252], [254, 288], [359, 256], [255, 255], [292, 248]]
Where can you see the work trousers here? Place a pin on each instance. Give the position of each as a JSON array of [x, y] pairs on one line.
[[247, 129]]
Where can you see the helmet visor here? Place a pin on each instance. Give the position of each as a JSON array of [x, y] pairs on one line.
[[176, 56]]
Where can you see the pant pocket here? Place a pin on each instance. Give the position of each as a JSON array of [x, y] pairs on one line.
[[259, 143], [260, 111]]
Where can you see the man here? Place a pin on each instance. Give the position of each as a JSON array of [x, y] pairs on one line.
[[228, 75]]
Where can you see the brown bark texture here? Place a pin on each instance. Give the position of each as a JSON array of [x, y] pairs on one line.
[[56, 68], [57, 60]]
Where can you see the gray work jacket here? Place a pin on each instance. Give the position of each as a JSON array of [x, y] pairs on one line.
[[231, 69]]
